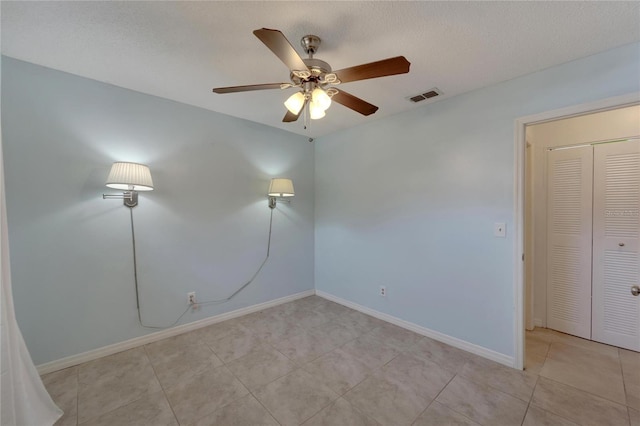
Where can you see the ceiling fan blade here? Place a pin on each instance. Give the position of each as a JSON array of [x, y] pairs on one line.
[[391, 66], [355, 103], [280, 46], [233, 89], [290, 117]]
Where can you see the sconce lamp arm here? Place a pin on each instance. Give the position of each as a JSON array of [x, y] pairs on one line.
[[130, 198], [275, 200]]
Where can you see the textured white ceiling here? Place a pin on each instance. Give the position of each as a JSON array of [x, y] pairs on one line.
[[181, 50]]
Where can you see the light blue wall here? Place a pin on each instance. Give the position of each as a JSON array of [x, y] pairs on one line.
[[410, 201], [203, 229], [407, 201]]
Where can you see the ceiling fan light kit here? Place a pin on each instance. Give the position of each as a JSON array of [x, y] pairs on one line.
[[313, 77], [315, 111], [321, 98], [295, 102]]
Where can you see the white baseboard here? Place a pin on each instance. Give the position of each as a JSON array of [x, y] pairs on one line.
[[537, 322], [444, 338], [72, 360]]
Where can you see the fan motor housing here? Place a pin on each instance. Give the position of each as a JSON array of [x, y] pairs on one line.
[[316, 66]]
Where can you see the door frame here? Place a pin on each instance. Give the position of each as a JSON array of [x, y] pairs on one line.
[[521, 123]]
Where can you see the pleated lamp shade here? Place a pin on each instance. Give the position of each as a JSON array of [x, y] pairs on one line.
[[130, 177], [280, 187]]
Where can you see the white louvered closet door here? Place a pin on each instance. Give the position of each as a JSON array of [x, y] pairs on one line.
[[569, 220], [616, 244]]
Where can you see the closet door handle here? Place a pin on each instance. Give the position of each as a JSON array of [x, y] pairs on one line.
[[635, 290], [621, 244]]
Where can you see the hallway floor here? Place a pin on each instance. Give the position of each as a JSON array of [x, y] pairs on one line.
[[315, 362]]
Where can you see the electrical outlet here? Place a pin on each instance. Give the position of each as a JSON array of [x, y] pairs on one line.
[[383, 291], [191, 298]]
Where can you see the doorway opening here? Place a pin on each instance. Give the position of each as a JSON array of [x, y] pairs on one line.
[[574, 129]]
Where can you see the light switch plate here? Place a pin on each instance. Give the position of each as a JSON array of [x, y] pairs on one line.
[[500, 230]]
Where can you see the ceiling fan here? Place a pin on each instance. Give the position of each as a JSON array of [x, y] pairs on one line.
[[315, 79]]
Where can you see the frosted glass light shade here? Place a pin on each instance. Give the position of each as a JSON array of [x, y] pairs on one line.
[[316, 111], [130, 177], [321, 98], [295, 103], [280, 187]]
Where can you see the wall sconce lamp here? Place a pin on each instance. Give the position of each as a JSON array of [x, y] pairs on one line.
[[280, 189], [131, 178]]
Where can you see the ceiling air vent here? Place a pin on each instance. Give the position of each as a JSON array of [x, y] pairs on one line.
[[432, 93]]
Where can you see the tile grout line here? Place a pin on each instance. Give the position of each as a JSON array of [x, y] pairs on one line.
[[400, 352], [301, 367], [322, 354], [126, 403], [260, 402], [359, 410], [146, 393], [436, 397], [145, 351], [589, 393], [322, 408], [286, 374], [77, 395], [243, 383], [164, 392], [549, 411], [584, 391], [225, 364], [492, 387], [526, 412], [570, 340], [434, 400], [429, 405], [624, 384], [297, 367], [369, 370], [407, 351]]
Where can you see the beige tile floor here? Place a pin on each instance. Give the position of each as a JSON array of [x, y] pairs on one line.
[[314, 362]]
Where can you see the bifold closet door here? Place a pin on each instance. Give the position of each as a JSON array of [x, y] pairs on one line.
[[616, 244], [569, 197]]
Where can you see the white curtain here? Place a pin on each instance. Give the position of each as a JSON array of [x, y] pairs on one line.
[[25, 401]]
